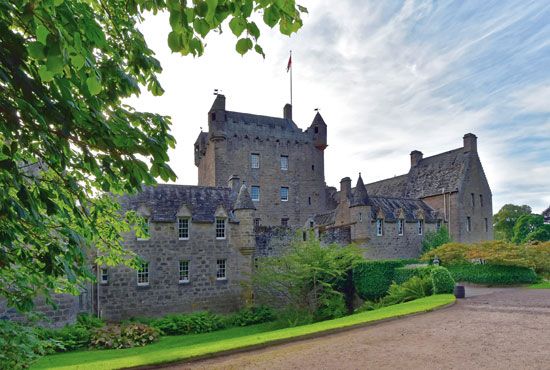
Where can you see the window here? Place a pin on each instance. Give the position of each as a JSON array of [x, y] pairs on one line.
[[316, 129], [284, 222], [255, 160], [400, 227], [143, 274], [213, 115], [146, 228], [104, 276], [284, 162], [438, 225], [220, 271], [255, 193], [313, 167], [486, 225], [183, 228], [473, 199], [480, 200], [360, 217], [257, 222], [284, 194], [309, 200], [220, 228], [420, 226], [379, 227], [468, 224], [311, 224], [184, 271]]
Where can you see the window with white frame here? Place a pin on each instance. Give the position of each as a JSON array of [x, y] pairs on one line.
[[146, 229], [379, 227], [220, 228], [400, 226], [284, 162], [183, 228], [468, 224], [184, 271], [104, 275], [255, 160], [255, 193], [143, 274], [420, 227], [221, 269], [284, 193]]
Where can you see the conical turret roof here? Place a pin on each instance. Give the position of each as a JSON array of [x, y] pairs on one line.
[[360, 195], [244, 201]]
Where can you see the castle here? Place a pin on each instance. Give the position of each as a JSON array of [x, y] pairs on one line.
[[260, 179]]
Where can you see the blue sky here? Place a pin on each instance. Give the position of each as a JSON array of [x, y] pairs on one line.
[[389, 77]]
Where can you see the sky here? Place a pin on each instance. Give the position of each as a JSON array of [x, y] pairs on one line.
[[388, 77]]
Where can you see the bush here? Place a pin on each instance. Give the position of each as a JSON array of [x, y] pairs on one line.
[[89, 321], [19, 346], [250, 316], [193, 323], [373, 278], [124, 336], [68, 338], [403, 274], [291, 317], [442, 280], [434, 239], [492, 274]]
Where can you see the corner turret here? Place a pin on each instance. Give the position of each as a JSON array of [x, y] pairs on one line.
[[318, 128], [360, 212], [216, 119], [243, 201], [360, 195]]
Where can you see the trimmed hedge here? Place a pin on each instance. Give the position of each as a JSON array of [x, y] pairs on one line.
[[373, 278], [493, 274], [403, 274], [442, 280]]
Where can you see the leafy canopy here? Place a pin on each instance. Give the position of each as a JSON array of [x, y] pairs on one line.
[[506, 218], [434, 239], [66, 138]]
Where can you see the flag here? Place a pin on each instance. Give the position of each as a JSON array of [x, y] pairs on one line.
[[289, 65]]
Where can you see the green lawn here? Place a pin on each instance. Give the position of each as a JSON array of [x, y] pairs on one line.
[[183, 347], [543, 285]]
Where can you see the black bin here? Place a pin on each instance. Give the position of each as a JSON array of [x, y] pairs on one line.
[[459, 291]]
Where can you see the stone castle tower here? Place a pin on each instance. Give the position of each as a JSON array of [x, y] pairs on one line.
[[282, 165]]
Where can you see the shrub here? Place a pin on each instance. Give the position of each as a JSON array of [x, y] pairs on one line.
[[291, 317], [403, 274], [19, 346], [250, 316], [442, 280], [373, 278], [68, 338], [124, 336], [193, 323], [89, 321], [492, 274], [414, 288], [434, 239]]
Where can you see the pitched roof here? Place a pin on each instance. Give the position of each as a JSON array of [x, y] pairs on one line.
[[256, 119], [244, 201], [324, 219], [411, 208], [165, 200], [431, 176], [360, 196]]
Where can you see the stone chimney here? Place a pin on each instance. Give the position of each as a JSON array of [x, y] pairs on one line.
[[287, 111], [470, 143], [234, 183], [416, 157], [345, 188]]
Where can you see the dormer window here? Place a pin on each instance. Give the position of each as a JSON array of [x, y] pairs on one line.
[[220, 228], [400, 227], [183, 228], [379, 227], [420, 227]]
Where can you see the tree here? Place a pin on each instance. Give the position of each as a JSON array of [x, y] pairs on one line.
[[434, 239], [526, 227], [66, 138], [506, 218]]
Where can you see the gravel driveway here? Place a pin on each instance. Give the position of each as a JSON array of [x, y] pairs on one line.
[[490, 329]]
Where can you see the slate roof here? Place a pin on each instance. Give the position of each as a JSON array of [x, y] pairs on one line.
[[325, 218], [429, 177], [256, 119], [410, 207], [360, 196], [163, 201], [244, 201]]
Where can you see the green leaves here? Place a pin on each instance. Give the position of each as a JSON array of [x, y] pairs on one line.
[[42, 34], [237, 26], [93, 84], [243, 45]]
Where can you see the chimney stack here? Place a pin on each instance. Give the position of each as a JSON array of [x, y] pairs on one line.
[[234, 183], [345, 188], [470, 143], [416, 157], [287, 111]]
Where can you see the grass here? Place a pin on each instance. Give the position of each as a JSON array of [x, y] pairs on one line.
[[169, 349], [542, 285]]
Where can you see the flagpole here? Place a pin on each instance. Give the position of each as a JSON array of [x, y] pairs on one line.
[[291, 77]]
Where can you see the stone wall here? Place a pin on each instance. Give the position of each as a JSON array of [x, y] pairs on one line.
[[339, 235], [273, 240]]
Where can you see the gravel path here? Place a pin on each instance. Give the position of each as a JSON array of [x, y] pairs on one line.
[[490, 329]]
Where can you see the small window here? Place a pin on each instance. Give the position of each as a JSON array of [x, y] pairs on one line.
[[481, 200], [184, 271], [284, 194], [313, 167], [255, 193], [257, 222], [213, 115], [284, 162], [379, 227], [468, 224], [311, 224], [143, 274], [146, 229], [255, 160], [360, 217], [486, 225], [420, 225], [220, 271], [220, 228], [183, 228], [473, 199], [104, 276], [284, 222], [316, 129], [309, 200], [400, 227]]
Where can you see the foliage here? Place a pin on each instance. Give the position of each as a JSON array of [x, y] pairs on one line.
[[530, 227], [192, 323], [497, 252], [442, 280], [505, 220], [66, 136], [89, 321], [290, 317], [179, 348], [402, 274], [540, 234], [434, 239], [373, 278], [492, 274], [414, 288], [67, 338], [307, 277], [19, 345], [250, 316], [541, 285], [124, 336]]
